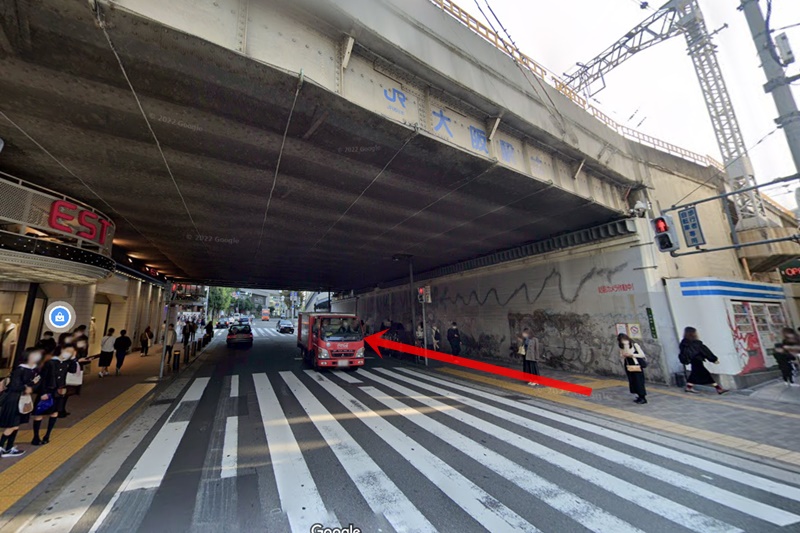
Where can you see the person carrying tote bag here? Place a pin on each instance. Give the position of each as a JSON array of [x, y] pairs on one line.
[[635, 362]]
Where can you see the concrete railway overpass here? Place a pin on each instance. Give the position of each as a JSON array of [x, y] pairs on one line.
[[304, 144]]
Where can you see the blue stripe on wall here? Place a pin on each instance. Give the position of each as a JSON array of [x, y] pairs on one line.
[[732, 284], [722, 292]]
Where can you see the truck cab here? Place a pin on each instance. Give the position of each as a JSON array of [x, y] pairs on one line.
[[331, 340]]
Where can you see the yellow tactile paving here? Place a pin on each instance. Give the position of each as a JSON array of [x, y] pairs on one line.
[[30, 470], [763, 450]]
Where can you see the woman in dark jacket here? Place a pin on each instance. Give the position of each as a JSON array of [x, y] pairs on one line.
[[694, 352], [632, 356], [23, 380]]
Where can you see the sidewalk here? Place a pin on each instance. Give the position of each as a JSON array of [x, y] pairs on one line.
[[102, 403], [763, 424]]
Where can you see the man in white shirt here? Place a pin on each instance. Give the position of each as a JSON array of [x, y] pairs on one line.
[[170, 340]]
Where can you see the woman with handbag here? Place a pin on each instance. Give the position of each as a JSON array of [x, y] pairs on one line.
[[635, 362], [694, 352], [16, 403]]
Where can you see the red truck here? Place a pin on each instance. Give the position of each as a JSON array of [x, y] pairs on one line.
[[330, 340]]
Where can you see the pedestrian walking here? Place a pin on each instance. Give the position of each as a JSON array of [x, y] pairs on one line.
[[531, 351], [185, 332], [144, 339], [121, 346], [23, 380], [635, 361], [52, 390], [436, 335], [694, 352], [786, 355], [106, 352], [454, 338], [419, 335], [170, 340]]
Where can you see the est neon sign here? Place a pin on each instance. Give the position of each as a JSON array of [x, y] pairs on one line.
[[89, 225]]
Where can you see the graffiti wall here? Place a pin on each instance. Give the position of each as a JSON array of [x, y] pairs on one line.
[[573, 305]]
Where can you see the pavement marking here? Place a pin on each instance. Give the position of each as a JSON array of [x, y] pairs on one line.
[[154, 462], [381, 494], [299, 496], [230, 447], [19, 479], [234, 385], [480, 505], [720, 470], [721, 496], [585, 513], [769, 452]]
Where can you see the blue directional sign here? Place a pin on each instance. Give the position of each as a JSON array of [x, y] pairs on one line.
[[59, 316], [690, 224]]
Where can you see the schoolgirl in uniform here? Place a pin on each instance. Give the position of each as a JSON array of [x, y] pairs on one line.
[[53, 386], [23, 380]]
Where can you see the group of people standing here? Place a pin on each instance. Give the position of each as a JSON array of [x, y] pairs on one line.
[[38, 387]]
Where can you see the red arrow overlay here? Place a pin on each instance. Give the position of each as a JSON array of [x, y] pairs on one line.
[[377, 341]]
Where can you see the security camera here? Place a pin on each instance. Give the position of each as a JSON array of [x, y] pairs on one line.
[[639, 210]]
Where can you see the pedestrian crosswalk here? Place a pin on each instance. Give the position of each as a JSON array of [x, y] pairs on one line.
[[260, 333], [399, 449]]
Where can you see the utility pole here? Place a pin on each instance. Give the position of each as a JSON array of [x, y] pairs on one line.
[[778, 85]]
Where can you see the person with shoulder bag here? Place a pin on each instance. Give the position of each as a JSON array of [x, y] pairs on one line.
[[530, 353], [16, 403], [635, 362]]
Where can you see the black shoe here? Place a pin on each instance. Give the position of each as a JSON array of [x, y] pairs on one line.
[[46, 440], [36, 441], [63, 415], [640, 400]]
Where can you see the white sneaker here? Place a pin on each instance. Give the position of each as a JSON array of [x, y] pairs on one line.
[[13, 452], [795, 384], [100, 374], [532, 384]]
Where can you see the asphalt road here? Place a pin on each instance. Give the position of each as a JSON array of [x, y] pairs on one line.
[[255, 442]]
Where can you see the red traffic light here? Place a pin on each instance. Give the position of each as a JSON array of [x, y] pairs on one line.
[[661, 225], [421, 291]]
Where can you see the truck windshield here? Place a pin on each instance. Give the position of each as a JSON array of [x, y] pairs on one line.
[[340, 329]]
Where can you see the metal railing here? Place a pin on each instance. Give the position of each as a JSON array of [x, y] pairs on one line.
[[561, 86]]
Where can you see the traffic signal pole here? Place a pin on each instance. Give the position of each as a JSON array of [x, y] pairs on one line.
[[778, 84]]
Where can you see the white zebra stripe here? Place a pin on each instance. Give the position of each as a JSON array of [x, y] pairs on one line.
[[651, 501], [382, 495], [590, 516], [299, 496], [483, 507], [745, 478]]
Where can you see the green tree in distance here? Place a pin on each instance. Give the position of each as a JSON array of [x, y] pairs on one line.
[[219, 299]]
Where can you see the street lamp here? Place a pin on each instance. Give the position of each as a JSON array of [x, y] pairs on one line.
[[400, 257]]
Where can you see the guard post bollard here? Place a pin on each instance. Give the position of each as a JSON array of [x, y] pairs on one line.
[[186, 353], [176, 361]]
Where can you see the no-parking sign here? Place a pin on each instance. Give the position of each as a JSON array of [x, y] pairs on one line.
[[59, 316]]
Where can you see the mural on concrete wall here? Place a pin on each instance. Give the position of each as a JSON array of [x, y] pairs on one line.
[[572, 306]]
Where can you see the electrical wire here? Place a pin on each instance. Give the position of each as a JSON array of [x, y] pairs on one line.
[[102, 23], [278, 164], [554, 112], [787, 27], [719, 172]]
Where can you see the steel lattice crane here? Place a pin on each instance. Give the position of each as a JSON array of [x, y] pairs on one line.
[[683, 17]]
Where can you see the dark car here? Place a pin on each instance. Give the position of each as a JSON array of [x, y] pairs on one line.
[[285, 326], [223, 323], [240, 336]]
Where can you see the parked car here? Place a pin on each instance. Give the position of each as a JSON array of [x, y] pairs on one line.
[[285, 326], [240, 336]]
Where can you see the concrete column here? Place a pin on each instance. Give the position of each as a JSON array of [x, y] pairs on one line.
[[132, 311], [81, 298]]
